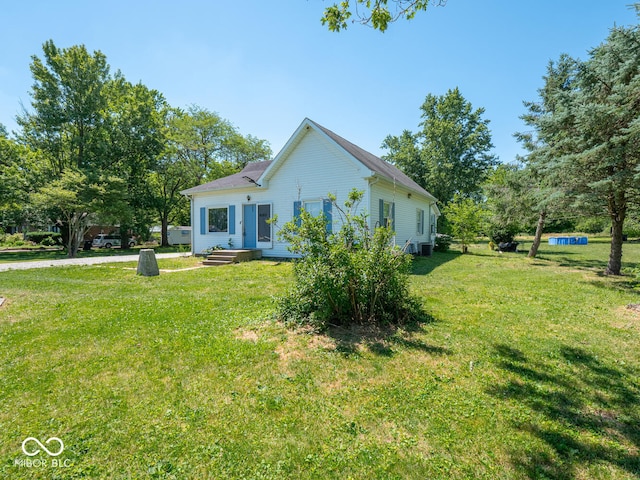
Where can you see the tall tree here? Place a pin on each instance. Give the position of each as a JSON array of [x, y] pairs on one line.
[[137, 117], [170, 176], [451, 153], [375, 13], [592, 133], [98, 126], [66, 122]]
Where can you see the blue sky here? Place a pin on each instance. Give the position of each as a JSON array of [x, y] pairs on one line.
[[266, 65]]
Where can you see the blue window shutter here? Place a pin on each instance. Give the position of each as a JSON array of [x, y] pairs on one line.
[[232, 219], [393, 215], [381, 213], [326, 208], [421, 222], [203, 221], [297, 205]]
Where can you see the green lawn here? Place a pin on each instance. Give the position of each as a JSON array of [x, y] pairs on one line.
[[529, 369], [28, 254]]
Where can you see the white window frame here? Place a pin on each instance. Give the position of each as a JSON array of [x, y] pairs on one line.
[[387, 207], [314, 200], [220, 207], [259, 244]]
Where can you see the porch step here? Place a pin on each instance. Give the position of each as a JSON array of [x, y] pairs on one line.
[[226, 257], [213, 263]]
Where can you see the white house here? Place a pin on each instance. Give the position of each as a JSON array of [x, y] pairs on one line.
[[232, 212]]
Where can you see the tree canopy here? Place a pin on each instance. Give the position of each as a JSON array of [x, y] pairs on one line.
[[451, 153], [109, 152]]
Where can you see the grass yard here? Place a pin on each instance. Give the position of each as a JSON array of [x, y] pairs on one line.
[[529, 369], [32, 254]]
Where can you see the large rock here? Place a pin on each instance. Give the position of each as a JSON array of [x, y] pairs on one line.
[[147, 264]]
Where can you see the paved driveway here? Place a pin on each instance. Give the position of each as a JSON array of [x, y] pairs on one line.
[[80, 261]]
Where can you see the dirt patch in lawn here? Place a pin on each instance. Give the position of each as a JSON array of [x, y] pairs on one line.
[[634, 307], [247, 335], [628, 316]]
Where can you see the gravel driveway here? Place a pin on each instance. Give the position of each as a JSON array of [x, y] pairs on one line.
[[80, 261]]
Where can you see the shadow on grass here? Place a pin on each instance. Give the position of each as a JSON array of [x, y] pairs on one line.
[[624, 284], [425, 265], [381, 340], [591, 412], [628, 282]]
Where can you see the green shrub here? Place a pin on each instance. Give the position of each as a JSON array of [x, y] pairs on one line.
[[352, 276], [631, 228], [44, 238], [503, 233], [591, 225], [443, 242], [15, 240], [467, 218]]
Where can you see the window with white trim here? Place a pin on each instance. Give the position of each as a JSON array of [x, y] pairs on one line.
[[419, 221], [264, 227], [218, 220], [313, 207], [387, 214]]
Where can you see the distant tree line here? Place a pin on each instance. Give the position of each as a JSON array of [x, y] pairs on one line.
[[94, 148]]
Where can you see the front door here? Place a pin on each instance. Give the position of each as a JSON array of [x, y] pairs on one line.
[[249, 226]]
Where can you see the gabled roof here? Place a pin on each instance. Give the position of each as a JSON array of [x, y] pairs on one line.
[[252, 171], [373, 163], [258, 171]]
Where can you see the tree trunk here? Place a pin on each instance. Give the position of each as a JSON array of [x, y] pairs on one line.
[[164, 220], [615, 256], [533, 251], [71, 252], [124, 236], [617, 211]]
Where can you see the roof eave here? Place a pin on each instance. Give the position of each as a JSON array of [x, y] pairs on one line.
[[412, 190], [193, 191]]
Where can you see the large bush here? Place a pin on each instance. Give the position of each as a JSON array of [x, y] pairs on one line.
[[14, 240], [443, 242], [632, 228], [503, 233], [351, 276], [467, 219], [591, 225], [44, 238]]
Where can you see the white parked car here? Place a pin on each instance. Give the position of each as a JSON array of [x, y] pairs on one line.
[[105, 240]]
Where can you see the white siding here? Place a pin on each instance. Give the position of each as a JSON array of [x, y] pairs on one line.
[[405, 212], [314, 168], [238, 198]]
